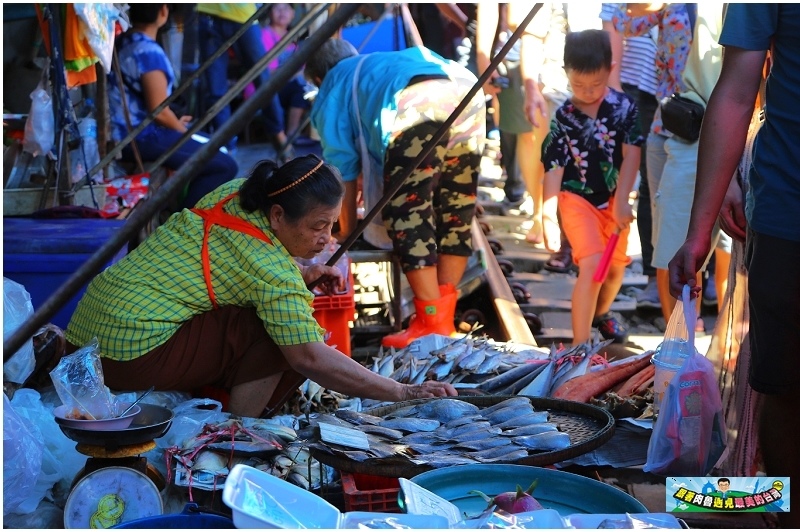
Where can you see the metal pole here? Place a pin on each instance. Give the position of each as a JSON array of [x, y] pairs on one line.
[[223, 49], [428, 147], [237, 89], [139, 217]]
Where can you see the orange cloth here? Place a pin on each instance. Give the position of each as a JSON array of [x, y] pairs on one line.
[[76, 46], [76, 79], [589, 228], [217, 216]]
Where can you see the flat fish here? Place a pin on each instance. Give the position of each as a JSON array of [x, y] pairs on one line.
[[478, 434], [419, 437], [453, 432], [428, 448], [410, 424], [481, 445], [494, 452], [357, 418], [444, 410], [511, 456], [387, 433], [511, 401], [437, 460], [530, 430], [510, 412], [525, 419], [406, 411], [546, 441], [475, 418]]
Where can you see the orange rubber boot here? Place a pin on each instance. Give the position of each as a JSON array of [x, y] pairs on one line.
[[432, 317]]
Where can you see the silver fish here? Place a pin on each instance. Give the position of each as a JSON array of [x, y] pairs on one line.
[[410, 424], [453, 423], [525, 419], [510, 412], [418, 437], [389, 434], [530, 430], [481, 445], [440, 369], [452, 432], [471, 362], [357, 418], [512, 401], [512, 455], [495, 452], [437, 460], [444, 410], [474, 435], [546, 441]]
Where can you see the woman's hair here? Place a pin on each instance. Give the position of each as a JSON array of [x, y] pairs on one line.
[[587, 51], [326, 57], [298, 186]]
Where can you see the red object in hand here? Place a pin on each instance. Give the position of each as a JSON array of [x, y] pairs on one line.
[[605, 261]]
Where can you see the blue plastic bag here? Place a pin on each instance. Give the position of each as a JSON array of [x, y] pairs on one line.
[[689, 437]]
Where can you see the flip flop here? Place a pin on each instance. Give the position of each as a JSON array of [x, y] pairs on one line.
[[563, 256]]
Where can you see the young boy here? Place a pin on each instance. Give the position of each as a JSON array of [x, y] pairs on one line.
[[591, 156]]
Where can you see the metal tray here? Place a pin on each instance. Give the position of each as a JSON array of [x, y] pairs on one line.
[[151, 423], [588, 426]]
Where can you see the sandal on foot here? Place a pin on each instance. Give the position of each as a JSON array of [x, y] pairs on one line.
[[560, 261]]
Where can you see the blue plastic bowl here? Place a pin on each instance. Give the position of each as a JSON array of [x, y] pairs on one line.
[[564, 492], [190, 517]]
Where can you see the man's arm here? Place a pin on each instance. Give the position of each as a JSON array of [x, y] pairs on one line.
[[486, 29], [722, 140], [614, 80], [348, 217]]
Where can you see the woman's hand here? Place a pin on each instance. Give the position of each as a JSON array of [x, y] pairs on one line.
[[332, 280], [427, 390]]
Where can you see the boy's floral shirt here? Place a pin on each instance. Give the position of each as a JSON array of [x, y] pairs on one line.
[[674, 41], [590, 149]]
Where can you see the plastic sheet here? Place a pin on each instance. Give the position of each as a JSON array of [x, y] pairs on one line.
[[17, 308]]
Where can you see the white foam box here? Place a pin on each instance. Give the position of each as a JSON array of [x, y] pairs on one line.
[[261, 500]]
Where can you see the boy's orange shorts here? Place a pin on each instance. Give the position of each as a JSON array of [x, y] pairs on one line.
[[589, 228]]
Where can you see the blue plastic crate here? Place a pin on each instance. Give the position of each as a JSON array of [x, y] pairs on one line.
[[41, 254]]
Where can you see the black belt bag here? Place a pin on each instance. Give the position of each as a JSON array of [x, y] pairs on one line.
[[682, 117]]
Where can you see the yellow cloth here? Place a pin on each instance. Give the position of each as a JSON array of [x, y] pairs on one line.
[[235, 12], [705, 57]]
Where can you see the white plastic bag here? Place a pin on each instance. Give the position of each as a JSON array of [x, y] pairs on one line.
[[97, 21], [17, 308], [689, 436], [188, 421], [40, 128], [22, 460]]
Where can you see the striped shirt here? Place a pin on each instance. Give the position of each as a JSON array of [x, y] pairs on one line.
[[638, 62], [138, 303]]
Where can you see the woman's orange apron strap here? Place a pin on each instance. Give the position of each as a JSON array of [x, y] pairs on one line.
[[217, 216]]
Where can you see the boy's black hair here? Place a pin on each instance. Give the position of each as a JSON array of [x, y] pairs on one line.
[[143, 13], [148, 13], [587, 51]]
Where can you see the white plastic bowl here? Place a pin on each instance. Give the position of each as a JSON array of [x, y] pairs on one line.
[[115, 423]]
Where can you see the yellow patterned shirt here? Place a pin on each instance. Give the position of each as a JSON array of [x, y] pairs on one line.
[[235, 12], [138, 303]]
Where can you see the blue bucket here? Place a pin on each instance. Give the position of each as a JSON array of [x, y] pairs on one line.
[[190, 517]]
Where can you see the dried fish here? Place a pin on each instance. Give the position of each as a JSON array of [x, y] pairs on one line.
[[453, 423], [530, 430], [489, 442], [495, 452], [437, 460], [511, 401], [546, 441], [510, 412], [389, 434], [525, 419], [452, 432], [410, 424], [445, 410], [357, 418], [512, 455]]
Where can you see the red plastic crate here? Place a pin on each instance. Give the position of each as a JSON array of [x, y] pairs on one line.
[[367, 493], [334, 314]]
